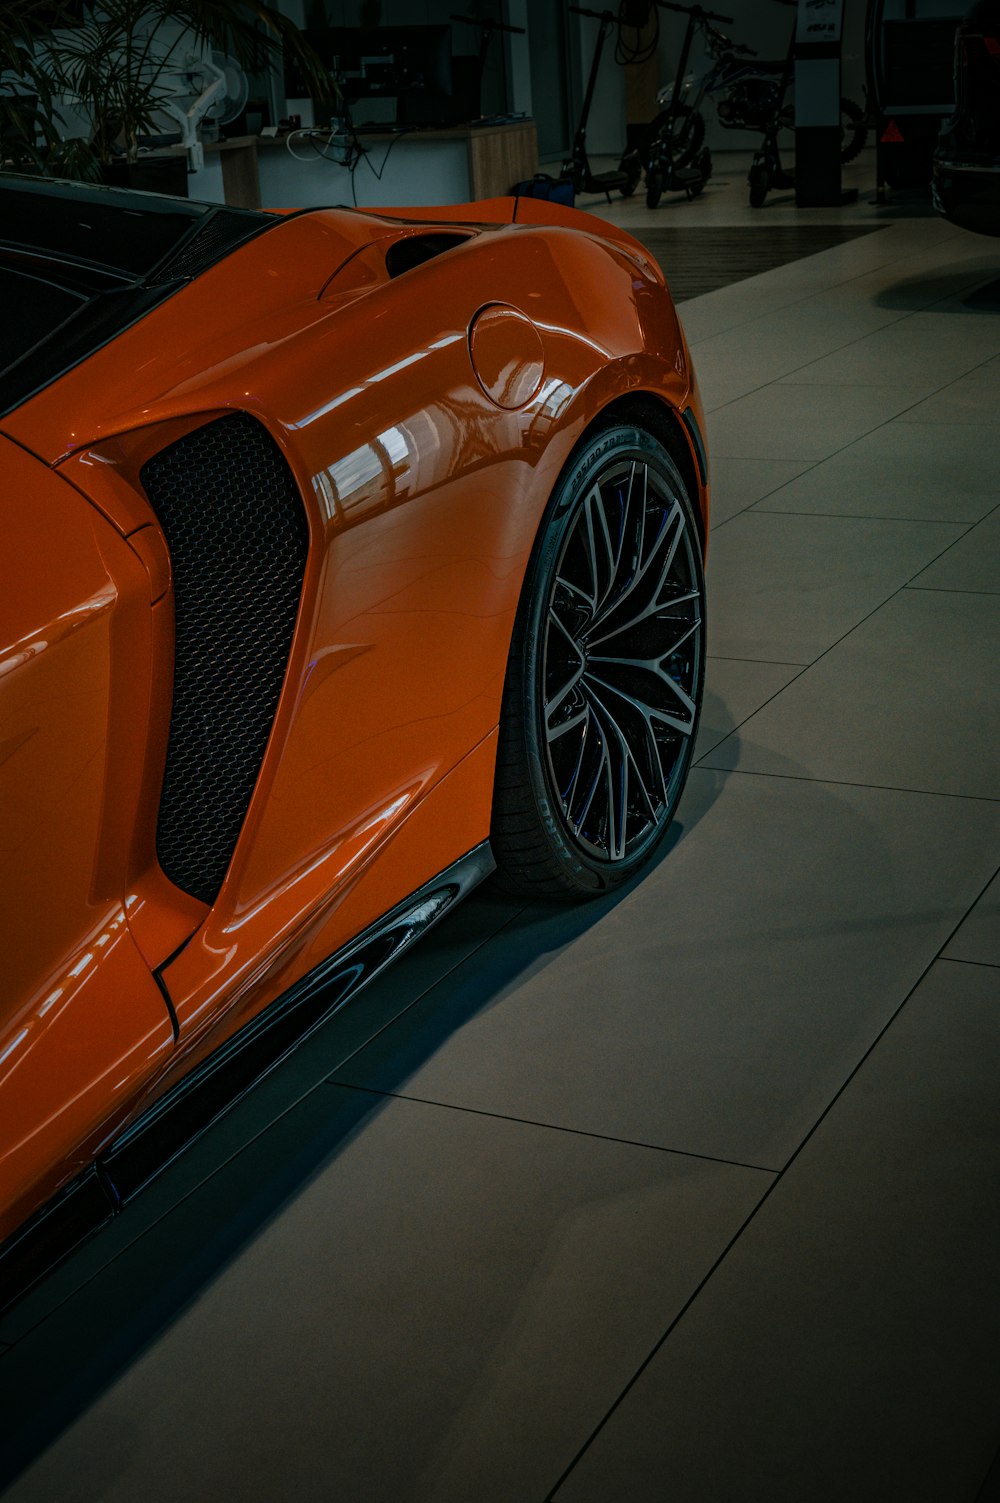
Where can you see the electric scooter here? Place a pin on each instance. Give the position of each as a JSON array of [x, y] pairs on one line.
[[487, 27], [743, 88], [577, 170], [669, 146]]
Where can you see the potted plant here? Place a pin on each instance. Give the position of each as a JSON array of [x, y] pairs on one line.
[[29, 84], [123, 61]]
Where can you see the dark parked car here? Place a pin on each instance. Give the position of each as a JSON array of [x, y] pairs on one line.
[[967, 160]]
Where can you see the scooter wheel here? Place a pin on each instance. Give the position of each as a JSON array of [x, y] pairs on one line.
[[654, 187], [759, 179], [632, 168], [688, 134], [853, 130]]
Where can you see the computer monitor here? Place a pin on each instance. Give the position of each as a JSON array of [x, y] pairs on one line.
[[410, 64]]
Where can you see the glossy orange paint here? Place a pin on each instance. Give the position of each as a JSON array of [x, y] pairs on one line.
[[426, 420], [82, 1024]]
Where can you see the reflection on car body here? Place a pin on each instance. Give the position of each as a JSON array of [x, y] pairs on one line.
[[348, 556]]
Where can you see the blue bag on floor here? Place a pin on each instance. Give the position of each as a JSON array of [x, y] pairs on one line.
[[544, 186]]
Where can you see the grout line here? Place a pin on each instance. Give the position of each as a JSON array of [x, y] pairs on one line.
[[984, 965], [950, 422], [855, 516], [807, 466], [722, 657], [760, 1204], [791, 777], [896, 416], [834, 286], [992, 513], [576, 1132], [881, 606], [949, 590], [740, 723], [814, 293]]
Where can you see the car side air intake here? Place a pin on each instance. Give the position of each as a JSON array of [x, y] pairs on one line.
[[238, 538]]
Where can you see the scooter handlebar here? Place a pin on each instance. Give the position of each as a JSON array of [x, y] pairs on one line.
[[687, 10]]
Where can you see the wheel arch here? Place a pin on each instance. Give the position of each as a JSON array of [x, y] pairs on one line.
[[647, 410]]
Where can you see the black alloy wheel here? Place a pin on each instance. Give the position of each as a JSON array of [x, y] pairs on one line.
[[605, 675]]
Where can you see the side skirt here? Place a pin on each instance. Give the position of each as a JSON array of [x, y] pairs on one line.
[[193, 1104]]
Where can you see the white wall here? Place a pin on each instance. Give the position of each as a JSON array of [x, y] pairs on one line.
[[606, 124], [414, 173]]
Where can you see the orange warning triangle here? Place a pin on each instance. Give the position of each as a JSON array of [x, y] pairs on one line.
[[892, 132]]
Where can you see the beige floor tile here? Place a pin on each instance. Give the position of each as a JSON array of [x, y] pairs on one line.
[[733, 691], [908, 700], [784, 588], [973, 563], [935, 348], [846, 1348], [948, 472], [738, 483], [720, 1005], [975, 398], [445, 1304], [792, 422], [978, 939]]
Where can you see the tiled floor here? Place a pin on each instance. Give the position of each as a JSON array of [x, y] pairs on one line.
[[691, 1194]]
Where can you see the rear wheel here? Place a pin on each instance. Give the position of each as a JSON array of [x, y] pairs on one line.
[[853, 130], [631, 165], [759, 179], [604, 679], [685, 140]]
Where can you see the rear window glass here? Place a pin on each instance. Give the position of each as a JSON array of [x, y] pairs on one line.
[[33, 309]]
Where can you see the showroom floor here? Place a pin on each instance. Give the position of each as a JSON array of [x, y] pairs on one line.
[[687, 1195]]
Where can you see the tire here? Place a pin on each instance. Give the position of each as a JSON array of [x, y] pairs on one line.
[[594, 747], [853, 130], [759, 179], [703, 163], [688, 133], [631, 165], [654, 187]]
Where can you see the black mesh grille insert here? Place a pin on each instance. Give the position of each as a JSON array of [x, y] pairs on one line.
[[237, 534], [218, 234]]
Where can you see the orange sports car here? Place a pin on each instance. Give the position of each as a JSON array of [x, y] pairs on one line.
[[347, 556]]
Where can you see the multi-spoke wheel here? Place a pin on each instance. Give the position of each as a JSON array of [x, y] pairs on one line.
[[605, 674]]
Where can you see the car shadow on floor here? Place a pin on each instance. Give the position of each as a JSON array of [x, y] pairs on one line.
[[94, 1317], [970, 287]]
